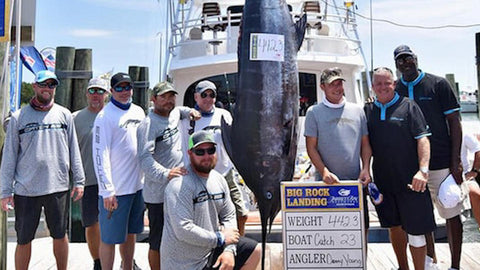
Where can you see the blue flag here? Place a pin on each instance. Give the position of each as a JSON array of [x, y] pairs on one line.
[[32, 59]]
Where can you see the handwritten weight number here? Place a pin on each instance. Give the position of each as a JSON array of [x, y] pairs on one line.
[[339, 221], [270, 45], [347, 239]]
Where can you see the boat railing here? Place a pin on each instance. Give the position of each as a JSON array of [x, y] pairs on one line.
[[214, 33]]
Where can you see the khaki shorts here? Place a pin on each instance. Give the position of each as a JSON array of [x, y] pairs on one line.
[[435, 178]]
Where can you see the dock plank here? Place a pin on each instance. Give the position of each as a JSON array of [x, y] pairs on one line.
[[380, 256]]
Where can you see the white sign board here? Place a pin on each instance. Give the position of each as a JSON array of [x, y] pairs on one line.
[[267, 47], [323, 226]]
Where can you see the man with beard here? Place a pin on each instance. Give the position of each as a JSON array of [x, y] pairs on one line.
[[40, 150], [439, 105], [200, 226], [161, 158], [97, 92], [205, 98], [120, 179]]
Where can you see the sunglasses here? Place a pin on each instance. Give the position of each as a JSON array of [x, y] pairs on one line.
[[96, 90], [201, 152], [122, 88], [45, 85], [408, 59], [204, 95]]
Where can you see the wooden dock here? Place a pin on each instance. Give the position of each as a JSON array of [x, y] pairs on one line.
[[380, 256]]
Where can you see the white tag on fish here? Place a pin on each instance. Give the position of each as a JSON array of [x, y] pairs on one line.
[[267, 47]]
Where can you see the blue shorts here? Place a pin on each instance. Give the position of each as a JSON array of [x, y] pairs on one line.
[[126, 219]]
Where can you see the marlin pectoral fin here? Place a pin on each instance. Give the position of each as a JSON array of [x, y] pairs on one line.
[[300, 27]]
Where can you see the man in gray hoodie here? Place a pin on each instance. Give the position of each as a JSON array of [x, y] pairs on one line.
[[200, 225], [40, 150]]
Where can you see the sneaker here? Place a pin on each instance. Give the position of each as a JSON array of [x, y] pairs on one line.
[[135, 266], [430, 265]]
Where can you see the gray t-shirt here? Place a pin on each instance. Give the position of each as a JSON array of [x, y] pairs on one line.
[[40, 150], [339, 132], [84, 120], [159, 149], [194, 207]]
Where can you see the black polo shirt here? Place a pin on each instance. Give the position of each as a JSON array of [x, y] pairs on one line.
[[393, 130], [436, 100]]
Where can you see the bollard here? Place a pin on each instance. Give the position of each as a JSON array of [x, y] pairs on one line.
[[141, 84], [65, 58], [83, 73]]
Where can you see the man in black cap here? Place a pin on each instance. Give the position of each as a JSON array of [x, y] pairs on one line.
[[441, 109], [120, 179], [205, 97]]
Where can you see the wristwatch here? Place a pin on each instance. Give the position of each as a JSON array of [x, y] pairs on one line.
[[424, 170]]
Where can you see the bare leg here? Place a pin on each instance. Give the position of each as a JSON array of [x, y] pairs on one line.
[[475, 200], [455, 234], [60, 250], [22, 256], [399, 241], [418, 256], [431, 246], [127, 249], [254, 259], [107, 255], [154, 259], [92, 234], [241, 220]]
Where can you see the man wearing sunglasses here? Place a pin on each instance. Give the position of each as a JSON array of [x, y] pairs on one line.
[[161, 157], [120, 179], [200, 216], [96, 92], [205, 97], [441, 109], [40, 150]]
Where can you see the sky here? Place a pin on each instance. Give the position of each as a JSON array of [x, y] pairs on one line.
[[122, 33]]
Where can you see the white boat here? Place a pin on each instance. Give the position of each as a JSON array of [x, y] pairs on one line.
[[203, 45]]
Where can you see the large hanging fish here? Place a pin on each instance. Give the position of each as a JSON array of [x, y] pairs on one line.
[[262, 141]]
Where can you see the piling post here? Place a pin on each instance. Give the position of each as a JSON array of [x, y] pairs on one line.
[[83, 73], [64, 61], [141, 84]]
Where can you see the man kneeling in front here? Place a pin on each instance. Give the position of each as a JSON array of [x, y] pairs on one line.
[[200, 230]]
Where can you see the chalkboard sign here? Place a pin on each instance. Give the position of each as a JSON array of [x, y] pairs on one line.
[[323, 225]]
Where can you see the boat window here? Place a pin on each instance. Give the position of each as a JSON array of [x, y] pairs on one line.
[[227, 91], [308, 91]]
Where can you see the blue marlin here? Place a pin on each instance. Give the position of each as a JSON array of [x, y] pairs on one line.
[[262, 140]]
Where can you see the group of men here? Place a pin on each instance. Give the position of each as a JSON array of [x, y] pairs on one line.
[[174, 162], [412, 130], [121, 161]]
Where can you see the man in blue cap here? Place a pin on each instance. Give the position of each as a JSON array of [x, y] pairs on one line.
[[40, 150]]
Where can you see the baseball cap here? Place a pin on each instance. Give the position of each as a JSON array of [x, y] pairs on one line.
[[204, 86], [449, 193], [120, 78], [162, 88], [331, 74], [200, 137], [402, 50], [98, 83], [44, 75]]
